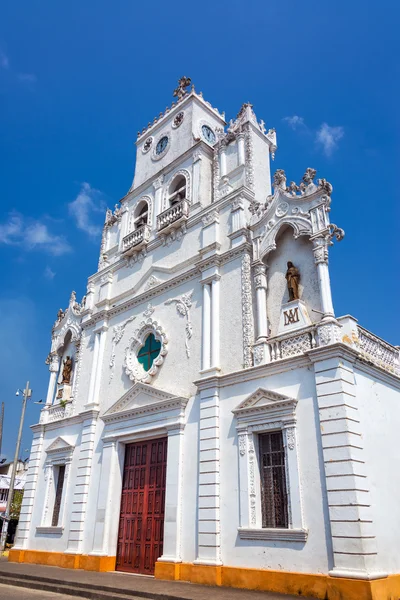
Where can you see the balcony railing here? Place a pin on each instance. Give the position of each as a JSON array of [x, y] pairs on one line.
[[56, 412], [377, 351], [173, 216], [136, 239]]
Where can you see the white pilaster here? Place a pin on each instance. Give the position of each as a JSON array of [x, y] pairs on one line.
[[260, 281], [241, 151], [209, 536], [105, 500], [206, 350], [158, 208], [82, 481], [197, 158], [222, 161], [53, 368], [321, 260], [98, 352], [32, 475], [215, 307], [173, 496], [349, 500]]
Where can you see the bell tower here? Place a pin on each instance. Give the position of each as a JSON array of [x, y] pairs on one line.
[[189, 124]]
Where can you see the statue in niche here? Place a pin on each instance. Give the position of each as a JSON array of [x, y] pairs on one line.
[[67, 370], [292, 278]]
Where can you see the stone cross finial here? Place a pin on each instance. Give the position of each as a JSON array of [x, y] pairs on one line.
[[183, 83]]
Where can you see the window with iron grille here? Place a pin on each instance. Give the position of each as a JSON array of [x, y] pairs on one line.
[[274, 501], [59, 490]]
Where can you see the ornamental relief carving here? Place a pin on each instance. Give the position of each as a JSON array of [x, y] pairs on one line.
[[117, 335], [247, 312], [183, 305]]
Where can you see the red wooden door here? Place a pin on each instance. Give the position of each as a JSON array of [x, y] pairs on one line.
[[141, 524]]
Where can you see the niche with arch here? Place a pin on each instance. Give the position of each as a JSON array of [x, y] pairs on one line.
[[177, 190]]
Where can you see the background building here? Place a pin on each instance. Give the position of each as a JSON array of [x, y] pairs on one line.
[[208, 417]]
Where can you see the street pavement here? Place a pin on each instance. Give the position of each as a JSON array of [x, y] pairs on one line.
[[10, 592]]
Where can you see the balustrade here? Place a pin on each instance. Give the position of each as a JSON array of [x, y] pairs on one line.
[[174, 215]]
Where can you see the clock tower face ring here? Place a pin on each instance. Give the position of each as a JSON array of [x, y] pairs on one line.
[[208, 134], [162, 145]]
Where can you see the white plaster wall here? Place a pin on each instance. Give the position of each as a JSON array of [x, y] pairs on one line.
[[180, 140], [190, 481], [261, 165], [300, 253], [314, 555], [45, 542], [231, 322], [232, 158], [176, 361], [379, 408]]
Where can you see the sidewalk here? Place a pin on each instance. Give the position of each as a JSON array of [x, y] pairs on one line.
[[124, 583]]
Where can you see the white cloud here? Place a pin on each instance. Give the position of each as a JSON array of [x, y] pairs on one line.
[[4, 62], [327, 138], [29, 235], [295, 121], [85, 207], [27, 77], [22, 77], [49, 273]]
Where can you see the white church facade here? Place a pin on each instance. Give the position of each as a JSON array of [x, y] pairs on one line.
[[209, 418]]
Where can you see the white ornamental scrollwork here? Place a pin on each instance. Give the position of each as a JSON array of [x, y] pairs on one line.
[[247, 312], [210, 218], [133, 368], [258, 354], [242, 444], [249, 155], [290, 437], [252, 483], [183, 306], [149, 310], [118, 332], [328, 334]]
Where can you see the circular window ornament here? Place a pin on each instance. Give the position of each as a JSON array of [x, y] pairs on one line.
[[208, 134], [147, 145], [146, 352], [178, 120], [161, 148]]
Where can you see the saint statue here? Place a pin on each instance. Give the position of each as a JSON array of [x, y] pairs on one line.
[[292, 278], [67, 370]]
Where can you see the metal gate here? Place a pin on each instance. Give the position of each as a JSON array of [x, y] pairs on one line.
[[141, 524]]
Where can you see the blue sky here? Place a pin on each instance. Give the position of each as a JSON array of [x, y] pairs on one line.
[[79, 79]]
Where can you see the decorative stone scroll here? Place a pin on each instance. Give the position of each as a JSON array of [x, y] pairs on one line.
[[183, 305]]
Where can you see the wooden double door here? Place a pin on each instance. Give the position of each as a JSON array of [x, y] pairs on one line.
[[141, 524]]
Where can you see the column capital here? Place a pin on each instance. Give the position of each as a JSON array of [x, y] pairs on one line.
[[260, 279], [320, 249], [157, 183]]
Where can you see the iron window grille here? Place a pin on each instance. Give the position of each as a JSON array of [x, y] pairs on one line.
[[59, 491], [274, 499]]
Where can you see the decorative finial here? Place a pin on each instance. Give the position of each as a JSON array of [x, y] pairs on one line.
[[183, 83]]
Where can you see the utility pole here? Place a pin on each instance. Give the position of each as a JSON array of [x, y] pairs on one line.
[[6, 518], [1, 424]]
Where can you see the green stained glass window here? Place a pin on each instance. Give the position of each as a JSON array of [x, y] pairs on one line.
[[149, 351]]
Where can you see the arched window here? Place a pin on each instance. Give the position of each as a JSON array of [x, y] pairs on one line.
[[177, 190], [141, 215]]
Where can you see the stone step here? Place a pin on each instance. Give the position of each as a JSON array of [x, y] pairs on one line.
[[87, 591]]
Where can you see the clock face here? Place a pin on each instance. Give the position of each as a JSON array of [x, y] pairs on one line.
[[208, 134], [162, 144]]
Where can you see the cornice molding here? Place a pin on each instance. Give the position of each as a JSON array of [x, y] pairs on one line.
[[164, 286]]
